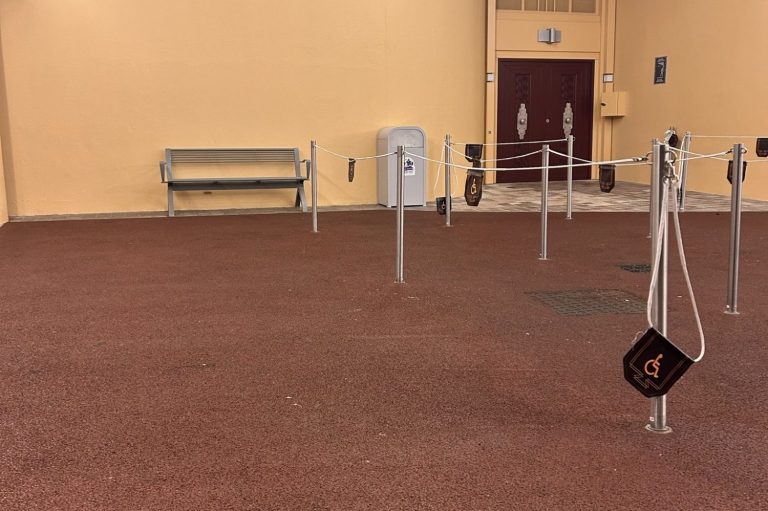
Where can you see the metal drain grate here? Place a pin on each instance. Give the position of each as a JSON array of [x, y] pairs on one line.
[[636, 268], [584, 302]]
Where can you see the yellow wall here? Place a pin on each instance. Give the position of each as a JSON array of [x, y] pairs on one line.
[[517, 31], [3, 149], [96, 90], [716, 82], [91, 92]]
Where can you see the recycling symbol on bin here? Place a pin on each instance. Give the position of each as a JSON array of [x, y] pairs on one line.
[[409, 167]]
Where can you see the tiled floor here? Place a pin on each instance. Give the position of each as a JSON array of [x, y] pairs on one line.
[[588, 197]]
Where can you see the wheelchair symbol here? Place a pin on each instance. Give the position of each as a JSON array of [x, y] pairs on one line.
[[655, 364], [473, 189]]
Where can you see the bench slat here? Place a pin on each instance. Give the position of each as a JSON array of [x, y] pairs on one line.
[[232, 155], [233, 184], [253, 180]]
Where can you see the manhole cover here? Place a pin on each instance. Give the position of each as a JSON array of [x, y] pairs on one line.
[[583, 302], [636, 268]]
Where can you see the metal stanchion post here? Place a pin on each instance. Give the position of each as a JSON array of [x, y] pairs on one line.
[[731, 306], [658, 418], [400, 200], [544, 193], [569, 200], [653, 206], [313, 166], [686, 146], [448, 160]]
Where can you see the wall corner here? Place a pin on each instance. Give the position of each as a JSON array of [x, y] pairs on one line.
[[3, 195]]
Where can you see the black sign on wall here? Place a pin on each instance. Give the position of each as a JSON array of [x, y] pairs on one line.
[[660, 71]]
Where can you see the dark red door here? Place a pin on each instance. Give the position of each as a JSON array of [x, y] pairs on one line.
[[544, 87]]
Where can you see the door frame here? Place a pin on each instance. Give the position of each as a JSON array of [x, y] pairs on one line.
[[492, 99]]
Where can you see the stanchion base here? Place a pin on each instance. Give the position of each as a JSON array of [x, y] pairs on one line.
[[732, 313], [543, 259], [664, 431]]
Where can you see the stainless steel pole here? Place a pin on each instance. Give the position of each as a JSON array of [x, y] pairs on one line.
[[448, 160], [658, 418], [544, 193], [686, 146], [653, 206], [569, 206], [400, 177], [313, 165], [731, 306]]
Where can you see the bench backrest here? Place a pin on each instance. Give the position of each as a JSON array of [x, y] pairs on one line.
[[233, 155]]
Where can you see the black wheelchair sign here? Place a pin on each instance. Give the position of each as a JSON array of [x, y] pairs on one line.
[[653, 364], [473, 187]]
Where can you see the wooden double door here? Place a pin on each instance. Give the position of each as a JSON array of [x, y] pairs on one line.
[[544, 88]]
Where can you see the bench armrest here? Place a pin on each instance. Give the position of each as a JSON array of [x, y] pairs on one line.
[[308, 164], [162, 172]]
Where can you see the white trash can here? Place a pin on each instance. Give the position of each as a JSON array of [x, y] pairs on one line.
[[415, 180]]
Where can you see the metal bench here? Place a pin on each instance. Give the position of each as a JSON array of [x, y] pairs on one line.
[[232, 156]]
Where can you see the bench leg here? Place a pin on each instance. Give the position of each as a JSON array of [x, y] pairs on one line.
[[301, 199], [170, 201]]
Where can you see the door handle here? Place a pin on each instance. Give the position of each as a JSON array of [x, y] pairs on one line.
[[522, 121], [567, 120]]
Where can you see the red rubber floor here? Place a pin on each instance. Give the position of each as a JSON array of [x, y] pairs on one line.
[[243, 362]]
